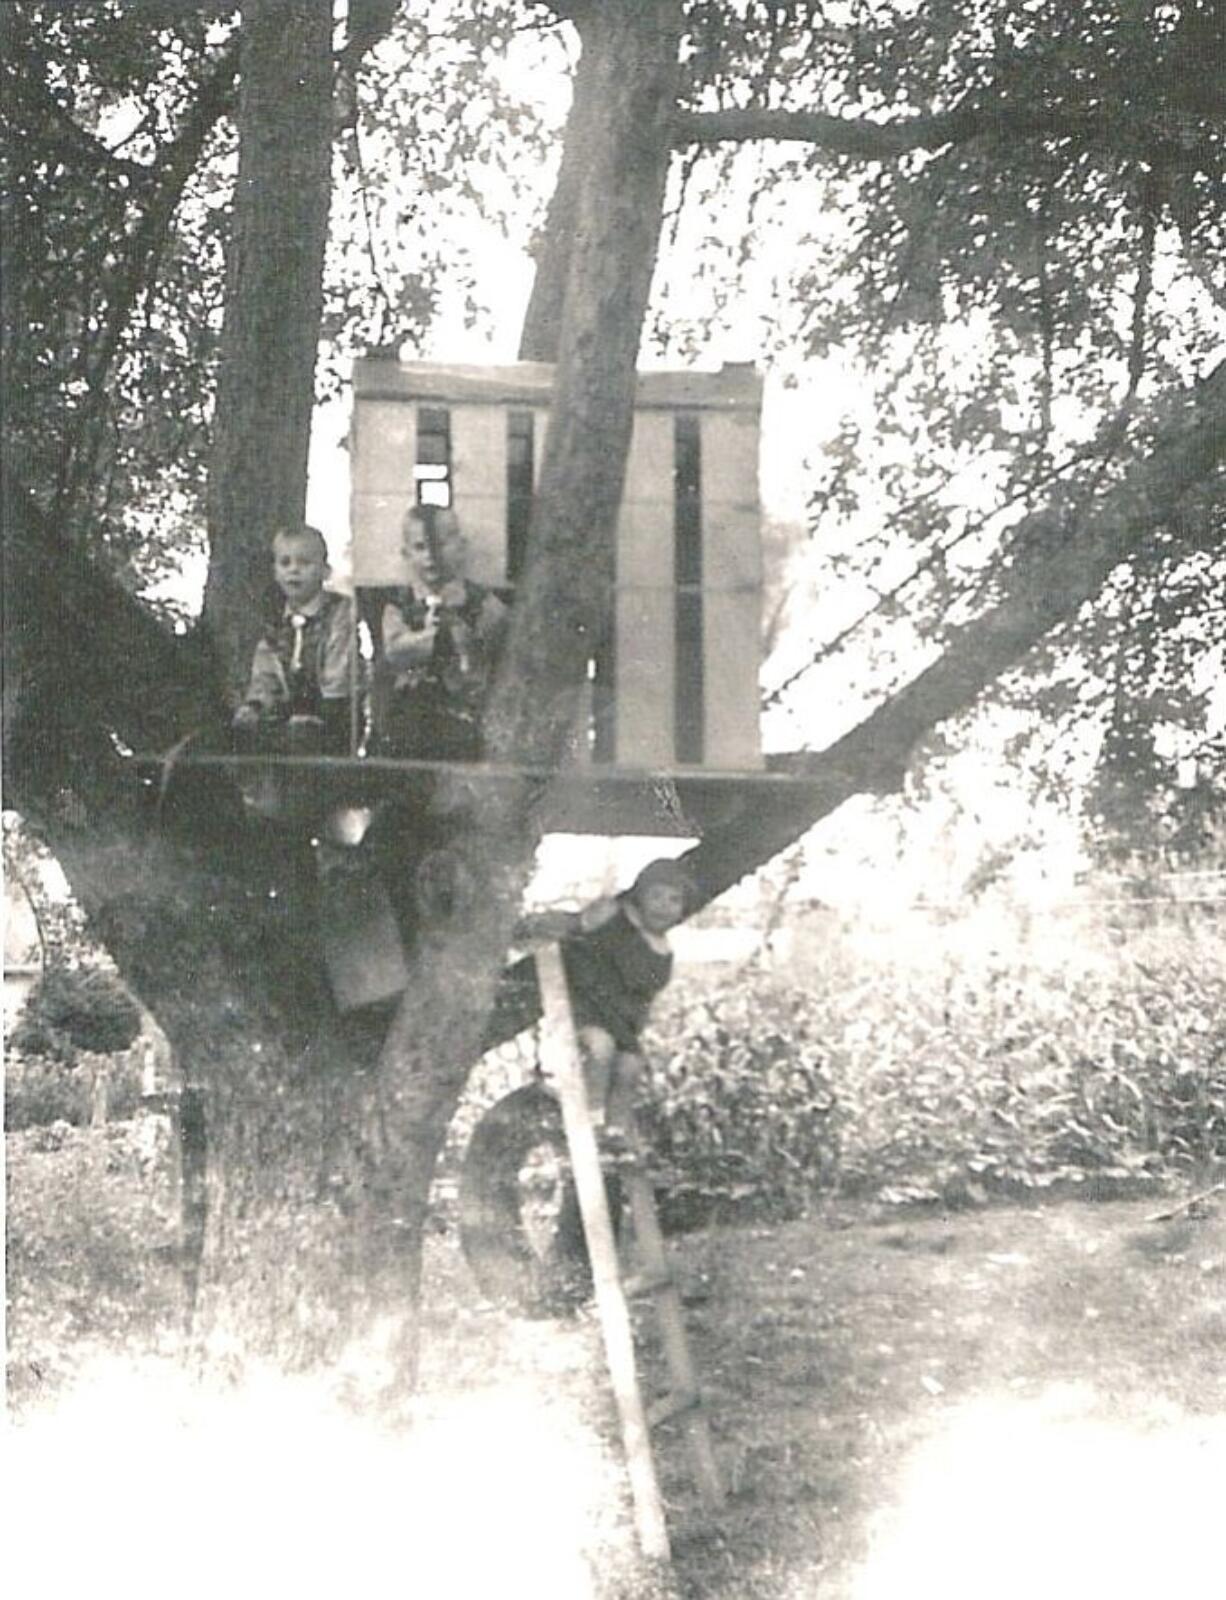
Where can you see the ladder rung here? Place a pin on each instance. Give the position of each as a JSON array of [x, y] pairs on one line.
[[673, 1405], [648, 1282]]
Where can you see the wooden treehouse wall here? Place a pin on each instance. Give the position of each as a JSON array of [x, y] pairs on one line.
[[677, 681]]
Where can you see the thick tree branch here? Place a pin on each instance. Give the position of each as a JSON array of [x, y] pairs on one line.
[[1055, 567], [562, 599], [543, 319], [82, 657], [1054, 570], [629, 88], [274, 302]]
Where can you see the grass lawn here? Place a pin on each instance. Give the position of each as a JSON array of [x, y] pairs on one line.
[[1005, 1400], [1031, 1401]]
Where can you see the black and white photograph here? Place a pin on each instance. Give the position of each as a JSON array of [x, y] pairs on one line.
[[614, 798]]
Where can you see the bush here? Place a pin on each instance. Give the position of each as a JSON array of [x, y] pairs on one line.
[[38, 1091], [743, 1117], [77, 1008], [896, 1085]]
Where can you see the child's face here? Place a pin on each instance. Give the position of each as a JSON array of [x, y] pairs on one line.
[[299, 567], [661, 905], [434, 560]]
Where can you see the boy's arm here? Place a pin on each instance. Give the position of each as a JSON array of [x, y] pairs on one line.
[[545, 926], [597, 914], [405, 646], [565, 924], [492, 620], [267, 688]]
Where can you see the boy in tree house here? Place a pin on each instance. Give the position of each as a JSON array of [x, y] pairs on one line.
[[617, 958], [440, 635], [302, 671]]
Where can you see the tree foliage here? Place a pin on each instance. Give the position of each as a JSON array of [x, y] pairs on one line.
[[117, 154], [1010, 251]]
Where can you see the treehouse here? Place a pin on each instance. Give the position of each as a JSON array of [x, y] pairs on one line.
[[674, 681], [669, 739]]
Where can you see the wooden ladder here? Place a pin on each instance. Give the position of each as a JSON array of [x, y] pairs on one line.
[[563, 1064]]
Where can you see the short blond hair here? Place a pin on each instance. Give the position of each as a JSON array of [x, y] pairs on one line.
[[433, 519], [303, 532]]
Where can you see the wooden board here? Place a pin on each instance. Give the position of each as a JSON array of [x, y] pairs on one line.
[[561, 1060], [604, 800]]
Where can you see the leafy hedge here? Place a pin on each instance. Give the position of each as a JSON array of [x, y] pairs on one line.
[[39, 1092], [77, 1008], [744, 1114], [895, 1084], [73, 1016]]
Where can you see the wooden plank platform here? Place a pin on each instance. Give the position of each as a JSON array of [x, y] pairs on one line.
[[604, 800]]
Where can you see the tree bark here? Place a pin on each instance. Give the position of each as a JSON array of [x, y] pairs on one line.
[[274, 302], [542, 327], [627, 87]]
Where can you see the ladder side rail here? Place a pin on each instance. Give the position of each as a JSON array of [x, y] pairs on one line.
[[561, 1056], [653, 1253]]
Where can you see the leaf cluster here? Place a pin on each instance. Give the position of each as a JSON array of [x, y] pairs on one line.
[[744, 1117]]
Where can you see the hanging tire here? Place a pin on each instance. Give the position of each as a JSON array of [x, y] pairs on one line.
[[520, 1225]]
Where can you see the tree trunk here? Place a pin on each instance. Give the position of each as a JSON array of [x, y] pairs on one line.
[[274, 302], [319, 1159], [238, 980], [627, 84]]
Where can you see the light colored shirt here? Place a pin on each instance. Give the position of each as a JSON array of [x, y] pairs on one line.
[[327, 651]]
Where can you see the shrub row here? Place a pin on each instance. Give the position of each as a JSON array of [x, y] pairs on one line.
[[72, 1009], [39, 1091], [768, 1096]]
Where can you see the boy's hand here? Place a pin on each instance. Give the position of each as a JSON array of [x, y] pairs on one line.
[[422, 616], [247, 716]]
